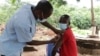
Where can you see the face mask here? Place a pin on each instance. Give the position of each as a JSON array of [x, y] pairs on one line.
[[63, 26], [43, 20]]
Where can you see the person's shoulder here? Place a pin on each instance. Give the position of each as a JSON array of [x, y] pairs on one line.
[[23, 11], [69, 28], [27, 5]]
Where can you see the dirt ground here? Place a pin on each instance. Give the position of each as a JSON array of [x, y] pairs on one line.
[[40, 52]]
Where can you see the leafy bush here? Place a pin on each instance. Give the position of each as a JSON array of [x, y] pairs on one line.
[[5, 13], [7, 10], [80, 17], [97, 16]]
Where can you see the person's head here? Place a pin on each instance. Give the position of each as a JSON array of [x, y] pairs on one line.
[[64, 22], [43, 10]]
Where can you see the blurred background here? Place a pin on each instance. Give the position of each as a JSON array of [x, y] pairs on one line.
[[79, 11]]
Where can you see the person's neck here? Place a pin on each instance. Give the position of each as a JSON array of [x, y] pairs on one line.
[[33, 12]]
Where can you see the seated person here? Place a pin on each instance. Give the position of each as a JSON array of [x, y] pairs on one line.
[[66, 43]]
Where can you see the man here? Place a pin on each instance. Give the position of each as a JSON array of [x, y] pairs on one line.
[[22, 26]]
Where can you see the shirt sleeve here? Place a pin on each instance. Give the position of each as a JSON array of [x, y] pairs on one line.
[[23, 33], [23, 27]]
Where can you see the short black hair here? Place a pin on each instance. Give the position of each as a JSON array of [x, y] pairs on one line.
[[65, 16], [44, 6]]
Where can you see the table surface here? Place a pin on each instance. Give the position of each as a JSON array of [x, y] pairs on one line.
[[87, 39]]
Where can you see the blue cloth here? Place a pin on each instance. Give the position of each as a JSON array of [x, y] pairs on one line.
[[19, 30], [49, 49]]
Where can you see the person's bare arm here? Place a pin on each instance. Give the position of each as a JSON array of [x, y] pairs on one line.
[[57, 45], [51, 27], [37, 42]]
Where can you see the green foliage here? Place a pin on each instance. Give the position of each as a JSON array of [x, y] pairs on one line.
[[81, 22], [80, 17], [58, 3], [97, 16], [5, 13], [7, 10], [13, 2]]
